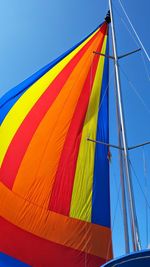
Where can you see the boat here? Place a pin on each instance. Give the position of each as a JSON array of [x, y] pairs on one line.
[[54, 158]]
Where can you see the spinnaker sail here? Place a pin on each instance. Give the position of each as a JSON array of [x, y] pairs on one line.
[[54, 183]]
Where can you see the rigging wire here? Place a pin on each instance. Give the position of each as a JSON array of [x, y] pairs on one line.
[[145, 198], [138, 38], [140, 186], [114, 219], [135, 90], [126, 26], [142, 56], [115, 185], [135, 41], [146, 193]]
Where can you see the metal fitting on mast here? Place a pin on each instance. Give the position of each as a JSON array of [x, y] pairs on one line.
[[108, 18]]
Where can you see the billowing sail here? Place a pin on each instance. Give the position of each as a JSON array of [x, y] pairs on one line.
[[54, 183]]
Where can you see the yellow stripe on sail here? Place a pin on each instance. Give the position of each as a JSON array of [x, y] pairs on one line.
[[81, 204], [22, 107]]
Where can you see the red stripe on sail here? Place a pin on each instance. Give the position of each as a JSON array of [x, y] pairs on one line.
[[24, 134], [62, 190], [38, 252]]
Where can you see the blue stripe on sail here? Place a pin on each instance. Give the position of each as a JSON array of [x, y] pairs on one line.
[[100, 198], [10, 98], [8, 261]]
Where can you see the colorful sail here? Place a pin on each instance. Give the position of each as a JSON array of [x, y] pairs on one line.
[[54, 183]]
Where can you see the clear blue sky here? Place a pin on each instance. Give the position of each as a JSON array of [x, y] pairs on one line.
[[33, 32]]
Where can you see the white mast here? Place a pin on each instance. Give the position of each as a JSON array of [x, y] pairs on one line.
[[122, 179], [133, 219]]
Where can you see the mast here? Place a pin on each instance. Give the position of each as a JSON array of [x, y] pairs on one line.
[[133, 219], [122, 179]]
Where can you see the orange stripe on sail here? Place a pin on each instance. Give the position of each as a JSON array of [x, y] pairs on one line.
[[66, 169], [38, 168], [25, 132], [80, 235]]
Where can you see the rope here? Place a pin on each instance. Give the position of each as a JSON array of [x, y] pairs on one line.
[[120, 2]]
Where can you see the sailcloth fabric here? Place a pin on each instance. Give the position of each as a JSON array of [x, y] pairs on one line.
[[54, 183]]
